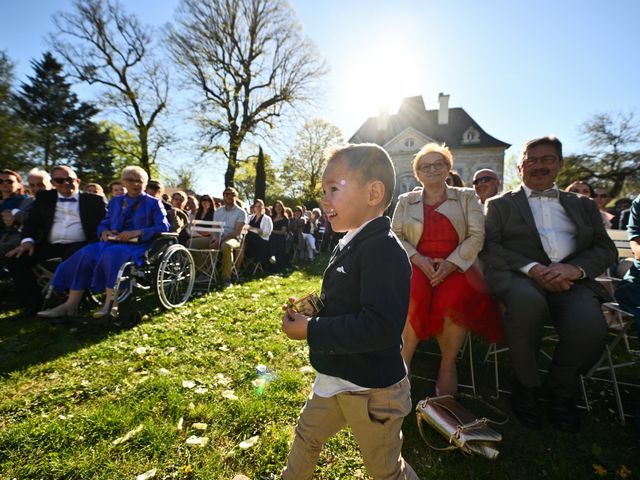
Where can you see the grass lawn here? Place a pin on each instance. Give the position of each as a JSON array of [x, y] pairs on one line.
[[82, 402]]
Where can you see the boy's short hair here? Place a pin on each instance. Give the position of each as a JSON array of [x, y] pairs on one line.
[[371, 162]]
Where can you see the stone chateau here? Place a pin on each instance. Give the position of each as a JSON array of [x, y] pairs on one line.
[[404, 133]]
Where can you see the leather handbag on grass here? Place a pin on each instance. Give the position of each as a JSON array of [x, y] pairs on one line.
[[463, 430]]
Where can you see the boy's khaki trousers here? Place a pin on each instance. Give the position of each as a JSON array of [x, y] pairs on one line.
[[375, 417]]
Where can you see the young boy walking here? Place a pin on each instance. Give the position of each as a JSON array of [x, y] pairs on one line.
[[355, 339]]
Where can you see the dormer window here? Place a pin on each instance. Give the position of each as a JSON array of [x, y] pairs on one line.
[[409, 143], [471, 135]]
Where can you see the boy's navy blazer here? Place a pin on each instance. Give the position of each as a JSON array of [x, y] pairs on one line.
[[357, 336]]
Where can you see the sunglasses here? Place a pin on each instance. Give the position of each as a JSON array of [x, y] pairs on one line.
[[60, 180], [8, 181], [485, 179]]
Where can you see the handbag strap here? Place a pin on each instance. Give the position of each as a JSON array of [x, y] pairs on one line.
[[489, 406], [424, 436]]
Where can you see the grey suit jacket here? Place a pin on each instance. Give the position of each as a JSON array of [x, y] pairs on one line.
[[512, 240]]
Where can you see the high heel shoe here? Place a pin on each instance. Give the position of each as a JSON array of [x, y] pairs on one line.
[[56, 312]]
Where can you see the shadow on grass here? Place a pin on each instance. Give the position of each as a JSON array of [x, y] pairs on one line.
[[27, 341]]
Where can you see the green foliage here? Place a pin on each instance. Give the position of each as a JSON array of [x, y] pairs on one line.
[[13, 131], [302, 169], [66, 394], [245, 179]]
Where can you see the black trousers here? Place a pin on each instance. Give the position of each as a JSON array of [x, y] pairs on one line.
[[27, 291], [578, 320]]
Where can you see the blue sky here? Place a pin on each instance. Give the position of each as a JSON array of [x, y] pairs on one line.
[[520, 69]]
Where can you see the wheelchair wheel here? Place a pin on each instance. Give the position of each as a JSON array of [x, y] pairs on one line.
[[175, 277]]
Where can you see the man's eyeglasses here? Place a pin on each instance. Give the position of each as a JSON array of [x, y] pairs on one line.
[[8, 181], [485, 179], [435, 166], [546, 160], [60, 180]]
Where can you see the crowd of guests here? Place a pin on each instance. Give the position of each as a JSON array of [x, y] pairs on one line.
[[500, 265]]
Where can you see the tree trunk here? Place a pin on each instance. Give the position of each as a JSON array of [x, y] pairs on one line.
[[231, 164], [144, 150]]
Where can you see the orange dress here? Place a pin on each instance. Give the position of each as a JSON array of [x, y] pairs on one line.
[[462, 296]]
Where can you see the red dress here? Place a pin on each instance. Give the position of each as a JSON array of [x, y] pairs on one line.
[[462, 296]]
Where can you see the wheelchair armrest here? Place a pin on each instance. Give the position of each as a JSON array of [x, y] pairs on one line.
[[159, 243]]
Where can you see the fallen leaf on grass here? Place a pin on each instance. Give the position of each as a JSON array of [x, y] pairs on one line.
[[188, 383], [270, 354], [128, 435], [200, 426], [258, 382], [201, 390], [223, 348], [200, 441], [249, 442], [220, 379], [164, 371], [180, 422], [147, 475], [141, 350], [306, 369], [229, 395]]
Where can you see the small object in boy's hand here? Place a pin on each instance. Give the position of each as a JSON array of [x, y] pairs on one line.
[[308, 305]]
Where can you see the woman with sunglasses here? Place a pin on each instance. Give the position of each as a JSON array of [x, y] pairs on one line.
[[13, 198], [132, 221], [442, 230]]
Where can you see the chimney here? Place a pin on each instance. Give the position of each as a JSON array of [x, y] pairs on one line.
[[383, 118], [443, 109]]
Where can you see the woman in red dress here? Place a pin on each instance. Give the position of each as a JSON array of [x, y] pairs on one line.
[[442, 229]]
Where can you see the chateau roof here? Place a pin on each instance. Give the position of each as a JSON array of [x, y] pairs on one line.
[[413, 114]]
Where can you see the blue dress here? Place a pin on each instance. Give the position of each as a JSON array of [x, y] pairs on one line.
[[95, 267]]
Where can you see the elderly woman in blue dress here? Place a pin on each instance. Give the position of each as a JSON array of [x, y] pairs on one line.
[[131, 222]]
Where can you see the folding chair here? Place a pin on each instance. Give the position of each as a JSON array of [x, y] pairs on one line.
[[206, 258], [238, 254]]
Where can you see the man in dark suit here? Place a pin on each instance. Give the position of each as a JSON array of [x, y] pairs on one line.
[[543, 250], [60, 222]]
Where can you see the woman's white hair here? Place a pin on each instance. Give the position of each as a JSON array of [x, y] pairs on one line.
[[137, 170]]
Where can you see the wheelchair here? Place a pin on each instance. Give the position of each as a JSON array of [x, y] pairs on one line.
[[167, 271]]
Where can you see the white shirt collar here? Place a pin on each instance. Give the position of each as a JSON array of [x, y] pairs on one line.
[[75, 195], [352, 233], [528, 190]]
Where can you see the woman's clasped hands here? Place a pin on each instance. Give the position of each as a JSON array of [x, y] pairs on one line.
[[436, 269]]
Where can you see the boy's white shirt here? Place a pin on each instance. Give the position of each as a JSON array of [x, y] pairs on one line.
[[326, 385]]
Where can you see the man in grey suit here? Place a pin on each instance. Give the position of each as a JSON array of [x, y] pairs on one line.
[[543, 250]]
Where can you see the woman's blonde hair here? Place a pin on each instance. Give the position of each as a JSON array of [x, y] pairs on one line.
[[433, 147]]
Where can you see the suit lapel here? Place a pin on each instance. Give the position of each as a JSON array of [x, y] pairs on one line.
[[570, 203], [522, 204]]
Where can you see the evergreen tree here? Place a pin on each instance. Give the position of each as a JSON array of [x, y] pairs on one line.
[[12, 131], [61, 127]]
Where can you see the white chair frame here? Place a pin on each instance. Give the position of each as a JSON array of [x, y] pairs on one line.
[[206, 271]]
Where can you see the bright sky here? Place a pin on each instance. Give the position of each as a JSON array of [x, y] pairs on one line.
[[520, 69]]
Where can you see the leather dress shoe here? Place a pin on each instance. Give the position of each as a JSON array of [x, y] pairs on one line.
[[563, 412], [525, 403]]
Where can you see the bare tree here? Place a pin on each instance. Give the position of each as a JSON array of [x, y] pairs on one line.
[[249, 61], [303, 166], [614, 156], [106, 46]]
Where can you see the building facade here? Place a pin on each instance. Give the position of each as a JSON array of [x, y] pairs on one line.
[[403, 134]]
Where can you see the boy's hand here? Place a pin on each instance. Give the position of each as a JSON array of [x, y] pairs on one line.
[[295, 324]]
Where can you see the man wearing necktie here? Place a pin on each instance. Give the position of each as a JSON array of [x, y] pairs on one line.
[[60, 222], [543, 250]]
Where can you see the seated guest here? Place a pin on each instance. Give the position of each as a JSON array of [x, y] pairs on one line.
[[454, 179], [486, 184], [12, 200], [298, 221], [580, 187], [621, 213], [60, 222], [94, 188], [442, 229], [234, 218], [155, 188], [277, 239], [117, 188], [308, 239], [191, 206], [38, 181], [543, 250], [628, 292], [602, 197], [199, 239], [132, 221], [257, 241], [178, 204]]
